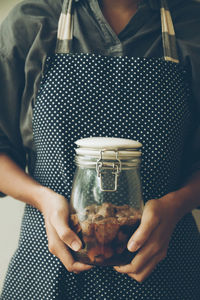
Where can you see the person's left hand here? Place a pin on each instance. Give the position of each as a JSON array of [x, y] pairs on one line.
[[152, 237]]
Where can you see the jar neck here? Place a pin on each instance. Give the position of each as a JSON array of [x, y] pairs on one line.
[[91, 162]]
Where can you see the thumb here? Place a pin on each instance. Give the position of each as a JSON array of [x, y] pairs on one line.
[[149, 222], [65, 233]]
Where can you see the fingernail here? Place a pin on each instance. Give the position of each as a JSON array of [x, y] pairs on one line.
[[133, 246], [75, 245]]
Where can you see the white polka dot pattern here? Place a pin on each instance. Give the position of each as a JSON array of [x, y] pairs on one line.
[[142, 99], [92, 95]]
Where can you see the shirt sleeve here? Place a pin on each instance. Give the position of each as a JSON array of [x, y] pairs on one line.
[[187, 26], [29, 25]]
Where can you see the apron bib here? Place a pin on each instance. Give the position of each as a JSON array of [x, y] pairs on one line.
[[85, 95]]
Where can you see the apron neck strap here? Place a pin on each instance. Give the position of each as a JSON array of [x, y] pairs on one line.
[[168, 34], [65, 31], [65, 28]]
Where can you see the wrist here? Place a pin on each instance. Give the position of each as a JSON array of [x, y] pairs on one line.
[[179, 202], [171, 207], [185, 199], [39, 197]]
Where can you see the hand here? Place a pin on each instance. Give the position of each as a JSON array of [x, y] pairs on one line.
[[56, 212], [151, 238]]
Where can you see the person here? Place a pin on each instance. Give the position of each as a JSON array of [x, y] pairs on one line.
[[116, 68]]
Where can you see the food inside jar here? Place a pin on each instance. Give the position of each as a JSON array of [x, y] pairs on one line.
[[105, 230]]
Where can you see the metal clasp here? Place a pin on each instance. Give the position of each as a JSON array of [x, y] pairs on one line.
[[102, 166]]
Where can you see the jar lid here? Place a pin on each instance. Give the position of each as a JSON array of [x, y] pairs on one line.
[[107, 143], [107, 147]]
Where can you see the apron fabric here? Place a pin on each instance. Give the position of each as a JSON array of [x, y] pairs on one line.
[[85, 95]]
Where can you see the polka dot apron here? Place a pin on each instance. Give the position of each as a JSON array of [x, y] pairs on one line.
[[85, 95]]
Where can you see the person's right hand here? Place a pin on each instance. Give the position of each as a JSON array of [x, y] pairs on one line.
[[55, 210]]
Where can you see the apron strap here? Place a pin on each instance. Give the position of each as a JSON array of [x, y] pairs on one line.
[[65, 28], [65, 31], [168, 34]]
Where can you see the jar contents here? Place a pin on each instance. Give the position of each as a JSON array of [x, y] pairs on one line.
[[104, 231]]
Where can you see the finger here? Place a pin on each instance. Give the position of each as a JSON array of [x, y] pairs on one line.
[[149, 223], [146, 253], [66, 258], [140, 260], [59, 249], [148, 269], [65, 233]]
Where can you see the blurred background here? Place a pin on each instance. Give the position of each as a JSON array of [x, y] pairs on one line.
[[11, 211]]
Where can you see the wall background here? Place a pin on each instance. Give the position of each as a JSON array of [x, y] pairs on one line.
[[11, 211]]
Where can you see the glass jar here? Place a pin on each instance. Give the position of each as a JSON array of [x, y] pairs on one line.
[[106, 200]]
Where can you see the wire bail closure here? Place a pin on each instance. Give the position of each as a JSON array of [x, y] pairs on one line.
[[102, 166]]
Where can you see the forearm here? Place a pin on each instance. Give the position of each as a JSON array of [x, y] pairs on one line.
[[17, 184], [187, 197]]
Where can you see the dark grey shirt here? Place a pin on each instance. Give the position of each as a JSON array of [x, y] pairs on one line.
[[28, 36]]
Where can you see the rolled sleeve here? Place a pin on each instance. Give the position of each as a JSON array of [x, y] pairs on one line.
[[11, 89]]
